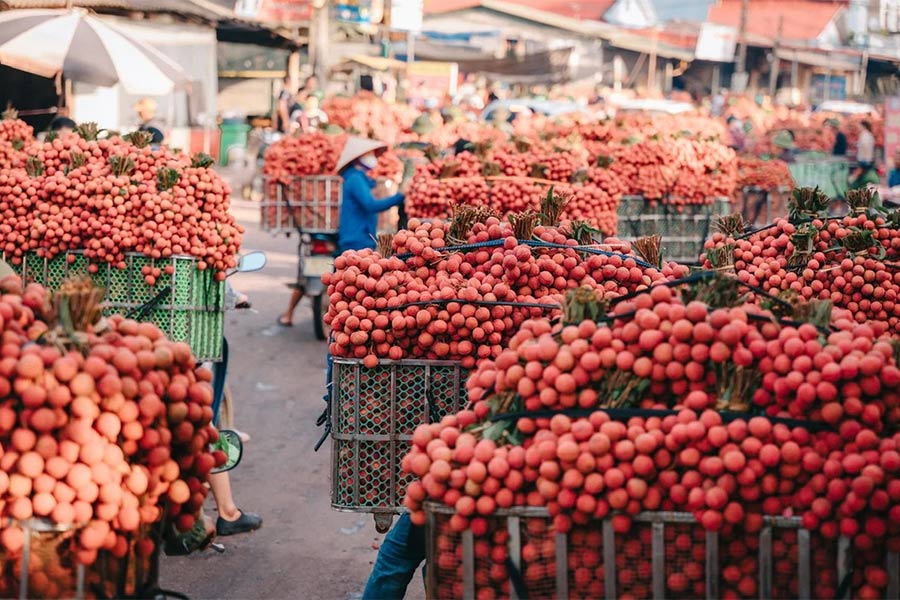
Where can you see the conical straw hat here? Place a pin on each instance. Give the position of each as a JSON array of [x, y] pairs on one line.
[[356, 147]]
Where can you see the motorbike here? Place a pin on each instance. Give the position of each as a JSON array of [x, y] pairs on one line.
[[181, 543], [316, 257]]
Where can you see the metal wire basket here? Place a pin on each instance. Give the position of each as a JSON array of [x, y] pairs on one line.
[[317, 203], [275, 213], [663, 555], [760, 206], [374, 413], [684, 229]]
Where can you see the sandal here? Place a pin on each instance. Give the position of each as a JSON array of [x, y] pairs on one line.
[[282, 323]]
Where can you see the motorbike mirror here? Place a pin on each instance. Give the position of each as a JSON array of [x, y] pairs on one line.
[[252, 261], [230, 443]]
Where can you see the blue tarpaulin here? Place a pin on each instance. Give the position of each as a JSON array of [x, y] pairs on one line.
[[461, 36]]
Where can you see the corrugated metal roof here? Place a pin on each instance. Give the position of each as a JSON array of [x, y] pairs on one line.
[[571, 9], [802, 20]]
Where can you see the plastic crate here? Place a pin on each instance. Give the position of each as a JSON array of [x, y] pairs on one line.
[[684, 229], [663, 555], [374, 413], [46, 568], [192, 312]]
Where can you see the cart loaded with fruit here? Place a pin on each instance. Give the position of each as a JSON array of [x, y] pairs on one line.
[[630, 428], [111, 294]]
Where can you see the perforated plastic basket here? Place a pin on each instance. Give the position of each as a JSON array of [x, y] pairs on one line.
[[683, 228], [46, 568], [192, 312], [374, 413], [663, 555]]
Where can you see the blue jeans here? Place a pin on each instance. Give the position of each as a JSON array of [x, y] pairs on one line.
[[401, 553]]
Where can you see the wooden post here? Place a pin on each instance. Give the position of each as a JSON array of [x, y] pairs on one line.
[[293, 70], [319, 39], [651, 68], [410, 47], [863, 71], [776, 62], [795, 71], [741, 66]]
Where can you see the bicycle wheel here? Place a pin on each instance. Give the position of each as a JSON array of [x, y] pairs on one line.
[[318, 313]]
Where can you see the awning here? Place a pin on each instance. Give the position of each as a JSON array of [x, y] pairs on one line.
[[646, 45], [833, 61], [376, 63], [544, 67]]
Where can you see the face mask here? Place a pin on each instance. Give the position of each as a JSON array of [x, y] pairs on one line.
[[368, 161]]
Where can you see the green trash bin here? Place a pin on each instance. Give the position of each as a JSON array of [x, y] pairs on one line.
[[232, 134]]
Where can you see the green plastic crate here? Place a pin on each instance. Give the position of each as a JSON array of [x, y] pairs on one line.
[[192, 312]]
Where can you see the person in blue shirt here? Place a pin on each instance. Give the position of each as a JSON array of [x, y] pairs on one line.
[[894, 174], [359, 208]]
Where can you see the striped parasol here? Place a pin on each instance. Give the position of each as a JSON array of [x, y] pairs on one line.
[[85, 48]]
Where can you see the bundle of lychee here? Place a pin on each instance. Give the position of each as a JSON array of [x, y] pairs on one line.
[[674, 170], [370, 116], [104, 424], [15, 134], [303, 155], [635, 395], [850, 260], [508, 182], [766, 174], [583, 469], [116, 195], [458, 290]]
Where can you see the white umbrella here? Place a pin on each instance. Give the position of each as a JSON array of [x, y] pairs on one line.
[[87, 49]]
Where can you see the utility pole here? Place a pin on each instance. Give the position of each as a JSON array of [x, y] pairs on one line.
[[739, 82]]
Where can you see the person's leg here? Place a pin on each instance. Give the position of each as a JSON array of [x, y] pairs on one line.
[[287, 318], [231, 519], [401, 553]]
